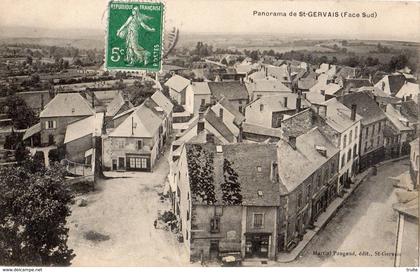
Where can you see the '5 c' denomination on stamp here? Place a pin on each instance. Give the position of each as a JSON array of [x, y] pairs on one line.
[[134, 40]]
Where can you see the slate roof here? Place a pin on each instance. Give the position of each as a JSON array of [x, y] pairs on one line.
[[339, 116], [79, 129], [67, 104], [409, 89], [410, 110], [239, 118], [267, 85], [159, 98], [253, 175], [366, 107], [32, 131], [260, 130], [178, 83], [143, 122], [232, 90], [391, 83], [211, 117], [296, 165], [306, 83], [200, 88], [275, 103], [90, 125], [395, 117], [115, 105]]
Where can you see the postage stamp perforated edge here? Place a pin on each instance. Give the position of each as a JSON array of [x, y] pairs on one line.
[[106, 37]]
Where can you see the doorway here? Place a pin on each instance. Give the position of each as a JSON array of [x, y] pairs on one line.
[[121, 164]]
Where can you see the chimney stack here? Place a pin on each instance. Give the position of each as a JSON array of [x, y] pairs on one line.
[[353, 112], [298, 103], [285, 101], [210, 138], [241, 131], [292, 142]]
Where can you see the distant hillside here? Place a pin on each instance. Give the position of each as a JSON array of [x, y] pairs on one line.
[[80, 38]]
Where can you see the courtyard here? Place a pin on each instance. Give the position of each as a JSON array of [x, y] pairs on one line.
[[115, 228]]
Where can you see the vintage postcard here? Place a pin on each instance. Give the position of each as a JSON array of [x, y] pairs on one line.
[[209, 133]]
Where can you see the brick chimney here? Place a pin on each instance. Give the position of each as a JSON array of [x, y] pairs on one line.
[[200, 124], [353, 112]]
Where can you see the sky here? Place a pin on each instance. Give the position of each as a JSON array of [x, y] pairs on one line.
[[394, 21]]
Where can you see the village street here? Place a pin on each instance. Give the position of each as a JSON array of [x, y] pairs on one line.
[[366, 222], [115, 228]]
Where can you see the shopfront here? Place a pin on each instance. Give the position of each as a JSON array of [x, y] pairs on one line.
[[257, 245]]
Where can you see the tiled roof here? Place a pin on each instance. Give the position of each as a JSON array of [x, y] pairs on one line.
[[178, 83], [144, 121], [254, 176], [231, 90], [67, 104], [211, 117], [163, 102], [347, 72], [366, 107], [296, 165], [339, 116]]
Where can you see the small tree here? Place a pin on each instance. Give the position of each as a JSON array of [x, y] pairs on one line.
[[21, 115], [34, 206], [231, 187]]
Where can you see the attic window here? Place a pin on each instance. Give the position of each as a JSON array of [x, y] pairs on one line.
[[260, 193], [321, 150], [72, 110], [259, 168]]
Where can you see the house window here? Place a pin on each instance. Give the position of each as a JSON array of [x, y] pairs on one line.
[[259, 168], [139, 144], [121, 143], [258, 221], [355, 132], [261, 107], [349, 156], [188, 215], [345, 141], [215, 224], [379, 139], [241, 109], [350, 136], [367, 131], [379, 128], [50, 124], [299, 199], [203, 101], [332, 168], [355, 151], [343, 160]]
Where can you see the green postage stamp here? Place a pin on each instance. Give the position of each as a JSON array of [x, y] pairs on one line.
[[134, 39]]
